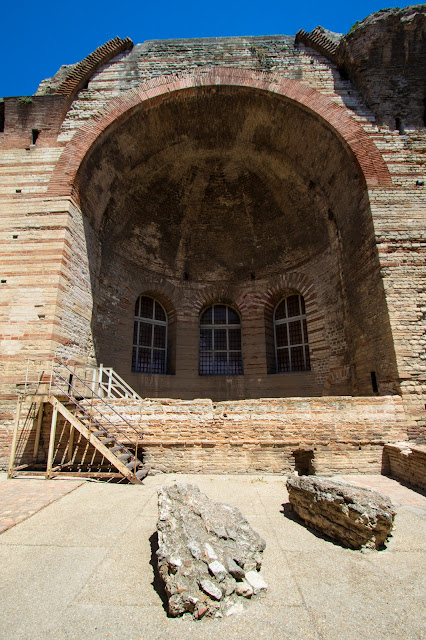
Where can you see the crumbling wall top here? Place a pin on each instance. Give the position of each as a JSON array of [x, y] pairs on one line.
[[71, 78], [385, 57]]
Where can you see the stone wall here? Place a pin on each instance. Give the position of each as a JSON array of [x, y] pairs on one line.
[[144, 247], [156, 58], [385, 56], [345, 435], [406, 462], [67, 287]]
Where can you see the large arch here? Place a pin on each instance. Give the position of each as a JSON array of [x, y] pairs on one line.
[[239, 183], [150, 93]]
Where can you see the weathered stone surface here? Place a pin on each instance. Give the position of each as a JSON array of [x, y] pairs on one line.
[[256, 581], [407, 462], [206, 549], [353, 516], [385, 56], [236, 166]]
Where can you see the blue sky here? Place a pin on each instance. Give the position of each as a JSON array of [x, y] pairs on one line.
[[37, 37]]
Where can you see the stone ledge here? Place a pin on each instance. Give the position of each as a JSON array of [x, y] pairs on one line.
[[353, 516], [407, 462]]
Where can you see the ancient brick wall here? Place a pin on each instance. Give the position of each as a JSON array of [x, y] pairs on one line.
[[406, 463], [156, 58], [332, 261], [61, 292], [385, 56], [345, 435]]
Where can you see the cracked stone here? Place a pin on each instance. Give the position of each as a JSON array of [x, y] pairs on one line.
[[200, 563]]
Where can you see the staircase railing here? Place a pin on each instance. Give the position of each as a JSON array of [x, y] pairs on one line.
[[38, 373], [81, 393], [102, 380], [107, 381]]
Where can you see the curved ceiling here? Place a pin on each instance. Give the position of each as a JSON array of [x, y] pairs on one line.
[[229, 180]]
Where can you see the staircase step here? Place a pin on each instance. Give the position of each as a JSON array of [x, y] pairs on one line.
[[79, 413]]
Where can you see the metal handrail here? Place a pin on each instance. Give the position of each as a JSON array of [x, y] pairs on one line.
[[94, 422], [114, 381], [45, 378], [92, 393], [114, 386]]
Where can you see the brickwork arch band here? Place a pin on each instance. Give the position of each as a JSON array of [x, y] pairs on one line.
[[154, 91], [250, 306], [276, 290]]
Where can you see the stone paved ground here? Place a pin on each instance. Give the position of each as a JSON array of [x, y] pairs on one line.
[[20, 499], [399, 493], [80, 569]]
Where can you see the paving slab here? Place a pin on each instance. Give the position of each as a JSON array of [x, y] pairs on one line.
[[38, 583], [399, 493], [97, 513], [20, 499], [83, 568], [150, 623]]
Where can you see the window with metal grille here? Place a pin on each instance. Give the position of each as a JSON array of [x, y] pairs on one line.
[[291, 335], [220, 342], [149, 337]]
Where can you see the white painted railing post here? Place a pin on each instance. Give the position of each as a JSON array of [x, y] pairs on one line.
[[95, 371], [100, 378], [110, 372], [26, 376], [52, 440], [52, 367]]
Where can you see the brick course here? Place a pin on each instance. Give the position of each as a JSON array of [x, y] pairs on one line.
[[406, 462], [346, 435], [66, 288]]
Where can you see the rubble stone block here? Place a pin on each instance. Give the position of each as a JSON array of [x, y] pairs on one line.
[[209, 557], [353, 516]]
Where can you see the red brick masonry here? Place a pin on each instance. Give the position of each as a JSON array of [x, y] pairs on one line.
[[345, 434], [20, 499]]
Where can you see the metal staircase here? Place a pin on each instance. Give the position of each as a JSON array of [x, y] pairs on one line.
[[80, 395]]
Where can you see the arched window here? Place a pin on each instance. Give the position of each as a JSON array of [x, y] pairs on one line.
[[291, 335], [220, 342], [149, 337]]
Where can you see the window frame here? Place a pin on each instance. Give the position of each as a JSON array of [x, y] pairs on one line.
[[153, 322], [214, 326], [301, 317]]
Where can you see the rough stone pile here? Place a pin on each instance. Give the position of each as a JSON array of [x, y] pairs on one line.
[[353, 516], [208, 557]]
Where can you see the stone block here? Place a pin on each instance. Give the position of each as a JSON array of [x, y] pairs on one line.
[[355, 517], [201, 542]]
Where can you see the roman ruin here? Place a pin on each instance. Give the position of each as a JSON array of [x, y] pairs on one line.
[[235, 227]]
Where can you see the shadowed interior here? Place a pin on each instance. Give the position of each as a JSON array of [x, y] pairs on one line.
[[217, 195]]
